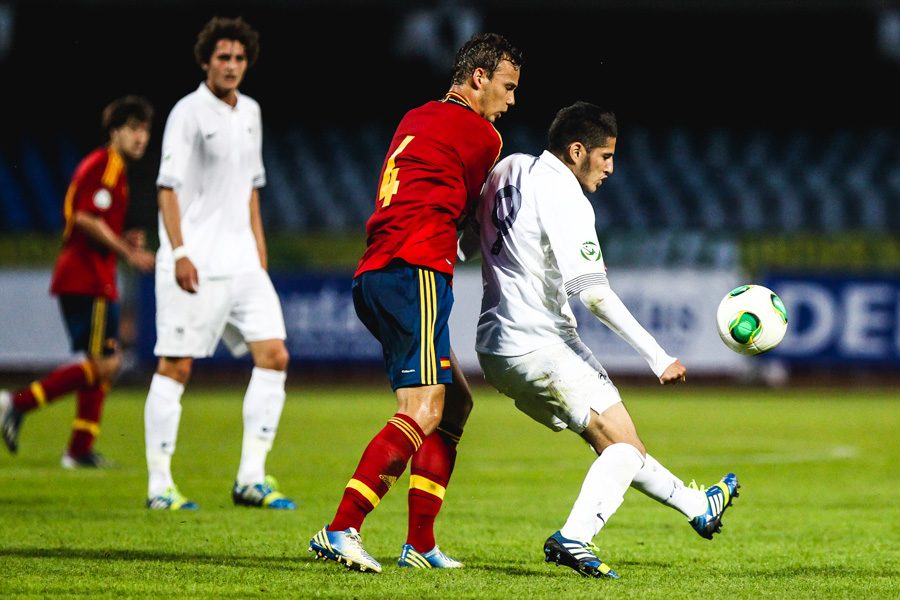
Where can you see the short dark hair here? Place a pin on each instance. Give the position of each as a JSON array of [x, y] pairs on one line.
[[485, 51], [121, 110], [223, 28], [581, 122]]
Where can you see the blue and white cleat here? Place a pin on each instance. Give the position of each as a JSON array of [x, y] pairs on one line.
[[171, 499], [10, 421], [344, 547], [718, 497], [262, 495], [577, 555], [433, 559]]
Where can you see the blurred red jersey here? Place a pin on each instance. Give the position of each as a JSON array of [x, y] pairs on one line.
[[99, 187], [432, 176]]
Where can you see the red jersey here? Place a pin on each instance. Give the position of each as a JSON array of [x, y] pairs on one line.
[[432, 176], [99, 187]]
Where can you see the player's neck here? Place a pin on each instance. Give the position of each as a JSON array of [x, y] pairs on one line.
[[463, 95], [228, 96]]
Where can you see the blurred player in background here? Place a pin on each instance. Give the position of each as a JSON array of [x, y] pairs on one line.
[[435, 166], [539, 249], [84, 281], [211, 279]]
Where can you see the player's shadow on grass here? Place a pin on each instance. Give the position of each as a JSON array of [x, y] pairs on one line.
[[270, 562]]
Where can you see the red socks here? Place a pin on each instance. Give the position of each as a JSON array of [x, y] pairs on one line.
[[59, 382], [382, 462], [429, 474], [87, 420]]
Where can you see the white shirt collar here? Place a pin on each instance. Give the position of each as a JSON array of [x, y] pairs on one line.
[[551, 160], [216, 103]]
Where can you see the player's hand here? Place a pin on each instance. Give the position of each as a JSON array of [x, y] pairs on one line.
[[674, 373], [136, 238], [142, 260], [186, 275]]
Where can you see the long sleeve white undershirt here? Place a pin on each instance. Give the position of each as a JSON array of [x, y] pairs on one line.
[[609, 308]]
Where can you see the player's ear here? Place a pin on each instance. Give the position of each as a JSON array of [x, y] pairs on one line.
[[479, 78], [575, 151]]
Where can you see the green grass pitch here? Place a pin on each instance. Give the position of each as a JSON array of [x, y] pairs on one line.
[[817, 517]]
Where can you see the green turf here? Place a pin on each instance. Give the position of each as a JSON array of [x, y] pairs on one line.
[[817, 516]]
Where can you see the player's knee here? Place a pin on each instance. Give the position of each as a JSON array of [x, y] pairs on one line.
[[178, 369], [272, 356], [107, 367]]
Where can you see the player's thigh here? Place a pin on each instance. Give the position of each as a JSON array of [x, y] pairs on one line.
[[613, 426], [407, 308], [256, 309], [190, 325], [92, 323], [559, 386]]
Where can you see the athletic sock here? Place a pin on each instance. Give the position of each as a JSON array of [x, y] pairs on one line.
[[61, 381], [430, 471], [162, 413], [657, 482], [603, 491], [382, 462], [86, 426], [263, 404]]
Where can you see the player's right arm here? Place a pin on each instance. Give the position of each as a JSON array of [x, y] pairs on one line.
[[185, 271], [177, 147]]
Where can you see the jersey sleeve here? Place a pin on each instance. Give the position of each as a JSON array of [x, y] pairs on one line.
[[177, 145], [259, 171], [89, 193], [568, 221]]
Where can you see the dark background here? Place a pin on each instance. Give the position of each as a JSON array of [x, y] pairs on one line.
[[810, 66]]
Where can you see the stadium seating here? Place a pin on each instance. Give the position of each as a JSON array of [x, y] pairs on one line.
[[718, 181]]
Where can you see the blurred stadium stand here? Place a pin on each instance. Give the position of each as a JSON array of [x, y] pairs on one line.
[[718, 181]]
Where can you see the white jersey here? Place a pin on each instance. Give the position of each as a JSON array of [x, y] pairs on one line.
[[212, 158], [538, 246]]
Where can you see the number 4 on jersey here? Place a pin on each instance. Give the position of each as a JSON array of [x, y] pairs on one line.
[[389, 182]]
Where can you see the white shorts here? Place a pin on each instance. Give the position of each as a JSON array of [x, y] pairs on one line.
[[557, 386], [238, 309]]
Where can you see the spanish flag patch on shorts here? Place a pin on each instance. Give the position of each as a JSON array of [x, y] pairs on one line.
[[445, 363]]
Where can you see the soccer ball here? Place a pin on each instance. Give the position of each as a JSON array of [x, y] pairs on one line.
[[751, 319]]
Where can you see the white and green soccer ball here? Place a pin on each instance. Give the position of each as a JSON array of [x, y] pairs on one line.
[[751, 319]]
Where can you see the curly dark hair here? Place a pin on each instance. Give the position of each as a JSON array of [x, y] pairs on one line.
[[121, 110], [485, 51], [223, 28], [581, 122]]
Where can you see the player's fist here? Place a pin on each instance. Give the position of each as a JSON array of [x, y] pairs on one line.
[[186, 275], [674, 373]]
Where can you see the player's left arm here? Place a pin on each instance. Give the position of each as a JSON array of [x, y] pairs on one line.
[[99, 231], [606, 305], [257, 226]]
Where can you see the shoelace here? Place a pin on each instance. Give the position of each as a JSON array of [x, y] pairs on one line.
[[694, 486]]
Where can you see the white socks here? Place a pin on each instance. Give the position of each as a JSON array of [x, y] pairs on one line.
[[603, 491], [657, 482], [263, 403], [162, 412]]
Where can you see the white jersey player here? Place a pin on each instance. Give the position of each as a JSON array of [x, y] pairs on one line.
[[539, 249], [211, 282]]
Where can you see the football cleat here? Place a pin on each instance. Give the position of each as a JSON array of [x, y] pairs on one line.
[[10, 421], [433, 559], [91, 460], [577, 555], [344, 547], [171, 499], [263, 495], [718, 498]]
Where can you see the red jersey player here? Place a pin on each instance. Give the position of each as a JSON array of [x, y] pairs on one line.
[[435, 166], [84, 281]]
